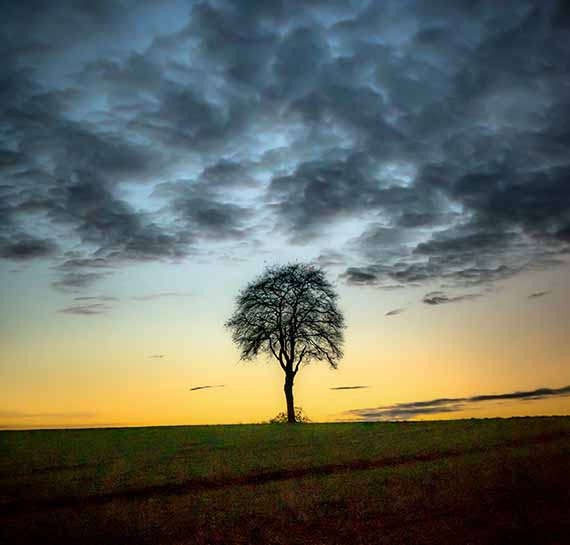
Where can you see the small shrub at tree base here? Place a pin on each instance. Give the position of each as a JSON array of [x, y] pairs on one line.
[[300, 417]]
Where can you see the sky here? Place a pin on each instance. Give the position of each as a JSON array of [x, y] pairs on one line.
[[156, 156]]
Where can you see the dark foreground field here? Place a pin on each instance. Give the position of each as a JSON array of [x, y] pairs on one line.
[[460, 482]]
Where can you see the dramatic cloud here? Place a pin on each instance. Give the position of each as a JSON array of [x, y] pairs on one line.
[[440, 298], [206, 387], [395, 312], [349, 387], [423, 141], [406, 411], [27, 248]]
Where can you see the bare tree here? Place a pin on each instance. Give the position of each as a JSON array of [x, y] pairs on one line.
[[290, 313]]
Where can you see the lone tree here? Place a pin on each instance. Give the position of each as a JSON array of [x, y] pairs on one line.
[[290, 313]]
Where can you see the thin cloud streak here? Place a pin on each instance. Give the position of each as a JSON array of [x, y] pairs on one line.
[[74, 281], [349, 387], [538, 294], [91, 309], [206, 387], [408, 411], [440, 298], [165, 295], [98, 298], [395, 312]]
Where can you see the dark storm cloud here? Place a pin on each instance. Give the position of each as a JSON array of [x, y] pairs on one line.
[[27, 248], [440, 131], [206, 387], [202, 211], [325, 190], [405, 411], [112, 225], [440, 298]]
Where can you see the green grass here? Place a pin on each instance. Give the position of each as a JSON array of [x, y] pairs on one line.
[[467, 481]]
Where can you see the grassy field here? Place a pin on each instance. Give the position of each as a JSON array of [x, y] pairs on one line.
[[457, 482]]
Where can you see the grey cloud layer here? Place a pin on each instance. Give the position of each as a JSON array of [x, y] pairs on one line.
[[441, 131], [406, 411]]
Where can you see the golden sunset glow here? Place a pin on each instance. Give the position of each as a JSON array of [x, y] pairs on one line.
[[61, 370]]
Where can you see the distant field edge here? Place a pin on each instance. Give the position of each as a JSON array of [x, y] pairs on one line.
[[10, 428]]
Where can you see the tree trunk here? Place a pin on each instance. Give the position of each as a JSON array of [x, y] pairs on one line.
[[289, 397]]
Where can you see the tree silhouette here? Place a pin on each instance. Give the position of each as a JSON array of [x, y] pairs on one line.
[[290, 313]]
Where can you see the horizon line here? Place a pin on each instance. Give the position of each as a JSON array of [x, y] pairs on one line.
[[356, 421]]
